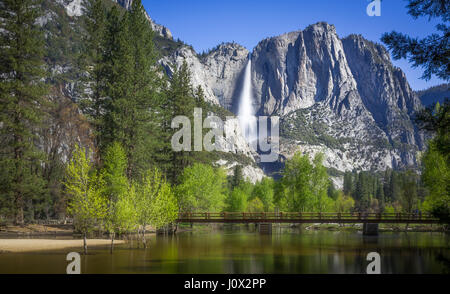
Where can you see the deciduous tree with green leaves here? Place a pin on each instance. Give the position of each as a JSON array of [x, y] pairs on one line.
[[255, 205], [117, 190], [164, 206], [148, 190], [297, 182], [319, 185], [85, 189], [264, 191], [202, 188], [237, 200], [306, 184], [343, 203], [436, 175], [126, 217]]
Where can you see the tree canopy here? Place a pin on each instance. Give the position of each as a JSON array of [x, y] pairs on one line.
[[432, 53]]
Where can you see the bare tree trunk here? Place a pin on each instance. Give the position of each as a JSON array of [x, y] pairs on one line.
[[85, 243], [19, 213], [18, 179]]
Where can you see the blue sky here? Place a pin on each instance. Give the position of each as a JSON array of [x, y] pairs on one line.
[[206, 23]]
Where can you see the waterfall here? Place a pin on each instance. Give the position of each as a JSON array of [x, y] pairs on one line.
[[246, 115]]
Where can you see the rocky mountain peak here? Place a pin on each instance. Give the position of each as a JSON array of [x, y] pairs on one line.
[[161, 30], [228, 50], [75, 8], [384, 89], [217, 72], [296, 70], [321, 28]]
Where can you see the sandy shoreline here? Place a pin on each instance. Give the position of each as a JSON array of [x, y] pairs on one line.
[[30, 245]]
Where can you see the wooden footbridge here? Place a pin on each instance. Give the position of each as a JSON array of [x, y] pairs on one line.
[[306, 217]]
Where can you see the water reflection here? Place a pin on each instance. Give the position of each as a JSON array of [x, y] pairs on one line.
[[243, 250]]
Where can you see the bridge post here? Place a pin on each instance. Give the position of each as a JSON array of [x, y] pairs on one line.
[[370, 229], [265, 228]]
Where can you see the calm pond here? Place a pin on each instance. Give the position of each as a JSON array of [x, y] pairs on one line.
[[247, 252]]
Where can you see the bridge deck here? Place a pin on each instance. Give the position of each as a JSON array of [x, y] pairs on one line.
[[304, 217]]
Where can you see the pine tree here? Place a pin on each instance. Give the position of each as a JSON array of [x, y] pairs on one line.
[[91, 62], [22, 98], [432, 52], [380, 196], [348, 184], [133, 110], [387, 185], [146, 85], [358, 187], [395, 187], [237, 178], [180, 101], [119, 105], [200, 97]]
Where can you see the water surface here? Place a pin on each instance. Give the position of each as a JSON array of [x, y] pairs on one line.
[[245, 252]]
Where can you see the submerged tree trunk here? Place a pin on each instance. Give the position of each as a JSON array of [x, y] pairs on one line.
[[85, 243], [137, 238], [143, 237], [112, 242]]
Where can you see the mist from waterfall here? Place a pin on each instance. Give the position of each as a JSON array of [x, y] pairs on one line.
[[246, 113]]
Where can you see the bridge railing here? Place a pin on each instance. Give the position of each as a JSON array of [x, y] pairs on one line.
[[247, 216]]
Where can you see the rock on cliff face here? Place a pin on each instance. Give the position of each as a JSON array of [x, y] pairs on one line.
[[298, 69], [249, 172], [74, 7], [384, 90], [342, 97], [218, 73], [234, 141]]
